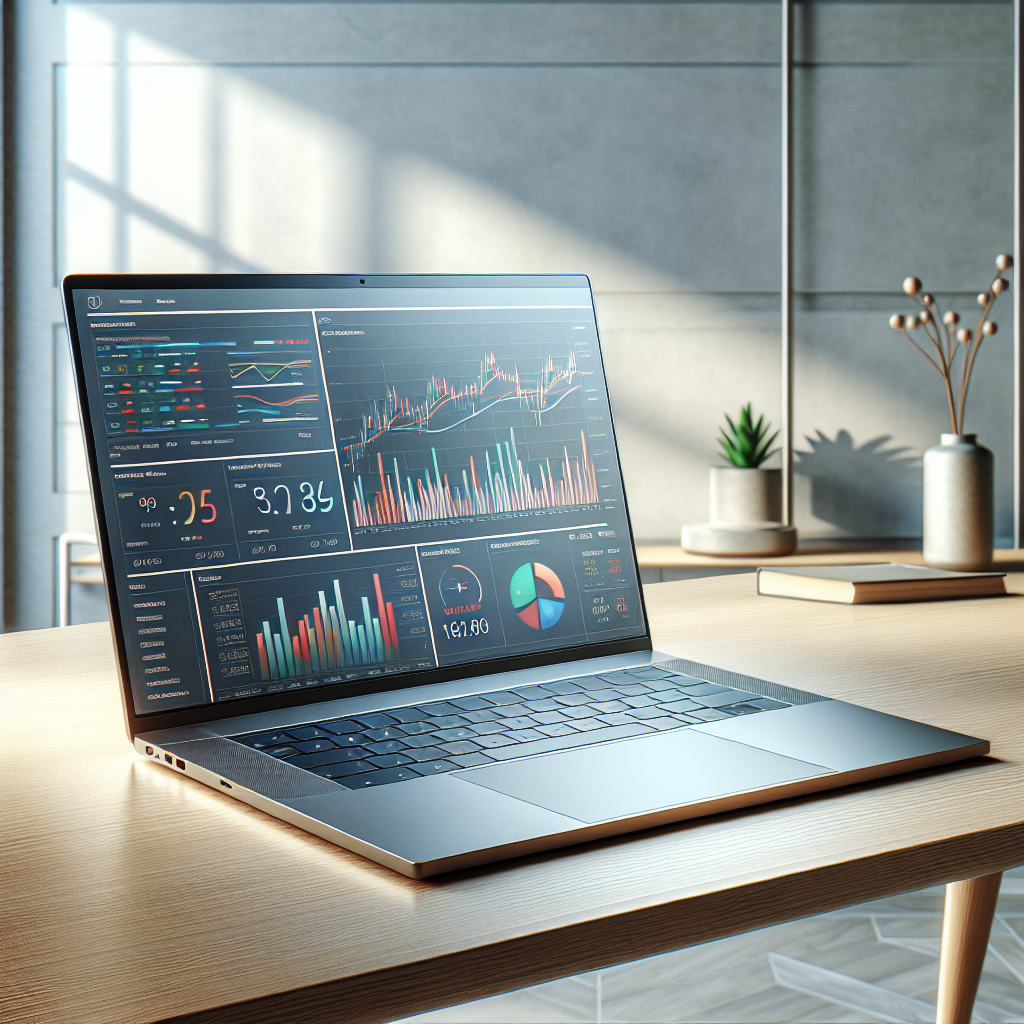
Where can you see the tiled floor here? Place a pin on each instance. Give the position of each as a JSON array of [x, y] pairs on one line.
[[874, 962]]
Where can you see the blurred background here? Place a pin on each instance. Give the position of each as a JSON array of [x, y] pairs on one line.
[[634, 142]]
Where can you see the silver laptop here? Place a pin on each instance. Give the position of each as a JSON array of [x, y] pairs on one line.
[[370, 570]]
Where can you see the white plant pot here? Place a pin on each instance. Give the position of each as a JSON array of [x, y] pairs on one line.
[[958, 504], [743, 496], [746, 514]]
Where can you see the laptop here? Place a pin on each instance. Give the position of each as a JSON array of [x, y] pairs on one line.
[[370, 570]]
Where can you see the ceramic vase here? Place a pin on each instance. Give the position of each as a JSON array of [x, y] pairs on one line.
[[958, 504]]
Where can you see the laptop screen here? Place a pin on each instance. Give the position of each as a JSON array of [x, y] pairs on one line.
[[312, 486]]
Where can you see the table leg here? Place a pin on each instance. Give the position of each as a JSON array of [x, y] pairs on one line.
[[966, 923]]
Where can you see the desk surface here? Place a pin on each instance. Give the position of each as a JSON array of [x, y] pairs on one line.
[[130, 894]]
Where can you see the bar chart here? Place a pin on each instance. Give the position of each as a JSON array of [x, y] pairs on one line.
[[325, 637], [486, 487]]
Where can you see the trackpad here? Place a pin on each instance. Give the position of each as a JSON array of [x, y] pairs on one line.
[[616, 780]]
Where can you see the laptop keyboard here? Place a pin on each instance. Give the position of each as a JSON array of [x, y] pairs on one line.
[[399, 744]]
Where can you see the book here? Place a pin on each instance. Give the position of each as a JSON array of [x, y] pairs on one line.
[[876, 583]]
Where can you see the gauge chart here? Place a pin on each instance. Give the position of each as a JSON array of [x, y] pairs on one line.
[[460, 586], [538, 596]]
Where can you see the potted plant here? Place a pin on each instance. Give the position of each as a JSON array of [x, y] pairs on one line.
[[746, 498], [957, 520]]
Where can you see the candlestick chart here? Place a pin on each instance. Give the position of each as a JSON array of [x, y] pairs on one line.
[[502, 432]]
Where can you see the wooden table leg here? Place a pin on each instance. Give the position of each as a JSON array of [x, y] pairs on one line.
[[966, 923]]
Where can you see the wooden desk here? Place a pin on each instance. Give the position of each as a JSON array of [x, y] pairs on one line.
[[134, 895]]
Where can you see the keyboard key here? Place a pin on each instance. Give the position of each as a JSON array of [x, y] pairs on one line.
[[448, 722], [427, 754], [682, 705], [386, 747], [579, 739], [488, 728], [418, 728], [404, 715], [664, 696], [311, 746], [549, 717], [669, 722], [682, 679], [649, 673], [522, 735], [606, 707], [473, 760], [606, 693], [574, 699], [440, 709], [414, 742], [491, 715], [643, 713], [322, 757], [632, 689], [586, 711], [516, 723], [350, 738], [281, 751], [717, 700], [469, 703], [617, 677], [489, 742], [501, 697], [563, 688], [447, 735], [700, 689], [734, 710], [377, 721], [616, 718], [543, 705], [262, 740], [343, 770], [766, 704], [308, 732], [560, 729], [435, 767], [341, 725], [643, 701], [531, 692], [381, 778], [392, 732], [588, 724], [390, 760], [460, 747], [708, 715]]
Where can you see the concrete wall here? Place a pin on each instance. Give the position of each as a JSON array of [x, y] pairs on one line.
[[634, 142]]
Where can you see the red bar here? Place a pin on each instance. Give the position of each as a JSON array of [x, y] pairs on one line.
[[264, 664], [297, 654], [394, 632], [323, 639], [304, 645], [382, 614]]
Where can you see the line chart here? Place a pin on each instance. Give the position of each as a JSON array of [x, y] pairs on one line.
[[267, 370]]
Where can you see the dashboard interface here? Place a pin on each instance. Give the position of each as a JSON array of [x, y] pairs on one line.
[[313, 486]]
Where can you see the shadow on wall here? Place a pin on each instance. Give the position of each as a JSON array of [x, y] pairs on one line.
[[870, 491]]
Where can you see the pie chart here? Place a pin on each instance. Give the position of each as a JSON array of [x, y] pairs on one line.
[[537, 595]]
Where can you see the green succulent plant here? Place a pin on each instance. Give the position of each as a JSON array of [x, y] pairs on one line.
[[746, 443]]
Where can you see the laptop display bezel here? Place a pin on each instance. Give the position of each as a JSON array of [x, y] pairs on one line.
[[205, 713]]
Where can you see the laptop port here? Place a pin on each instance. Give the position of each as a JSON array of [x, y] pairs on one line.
[[168, 758], [149, 750], [180, 764], [226, 785]]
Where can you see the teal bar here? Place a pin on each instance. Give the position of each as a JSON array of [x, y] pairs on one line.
[[280, 653], [368, 626], [326, 623], [286, 639], [362, 645], [381, 653], [348, 638], [271, 656]]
